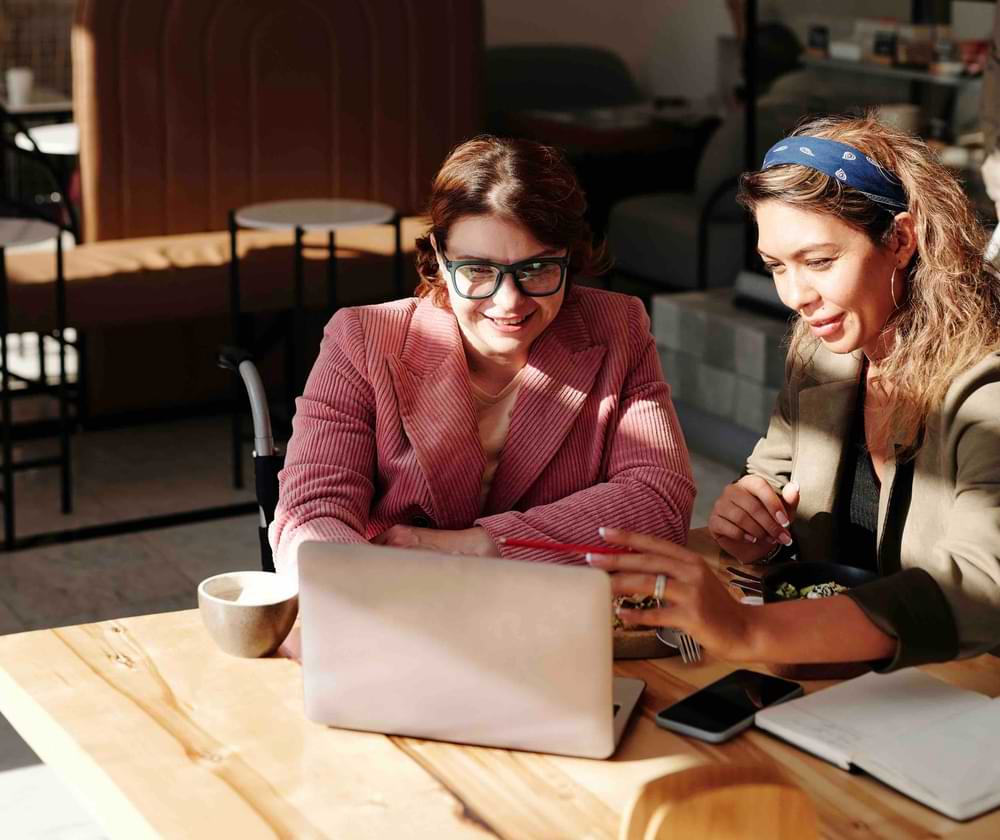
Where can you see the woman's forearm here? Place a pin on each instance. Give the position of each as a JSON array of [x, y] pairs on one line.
[[822, 630]]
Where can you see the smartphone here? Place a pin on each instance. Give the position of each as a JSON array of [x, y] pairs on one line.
[[727, 706]]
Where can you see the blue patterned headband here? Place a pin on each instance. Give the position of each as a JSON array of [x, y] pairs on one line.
[[852, 167]]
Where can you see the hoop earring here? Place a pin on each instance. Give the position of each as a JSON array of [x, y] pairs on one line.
[[892, 289]]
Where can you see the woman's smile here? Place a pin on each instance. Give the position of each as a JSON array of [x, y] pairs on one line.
[[827, 327], [509, 324]]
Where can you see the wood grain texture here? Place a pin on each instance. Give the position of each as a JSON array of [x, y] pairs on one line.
[[165, 735], [721, 800]]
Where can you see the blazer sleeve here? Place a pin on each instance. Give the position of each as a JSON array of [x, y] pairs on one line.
[[326, 486], [771, 458], [649, 485], [949, 605]]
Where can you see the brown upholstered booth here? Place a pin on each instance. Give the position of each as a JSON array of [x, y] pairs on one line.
[[188, 109]]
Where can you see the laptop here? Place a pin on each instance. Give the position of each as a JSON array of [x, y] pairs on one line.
[[498, 653]]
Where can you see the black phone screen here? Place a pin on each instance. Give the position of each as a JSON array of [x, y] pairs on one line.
[[726, 702]]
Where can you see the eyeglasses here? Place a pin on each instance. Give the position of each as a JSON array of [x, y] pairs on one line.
[[481, 279]]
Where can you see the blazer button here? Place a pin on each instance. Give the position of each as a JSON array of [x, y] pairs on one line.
[[421, 521]]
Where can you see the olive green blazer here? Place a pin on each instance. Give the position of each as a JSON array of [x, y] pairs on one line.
[[938, 545]]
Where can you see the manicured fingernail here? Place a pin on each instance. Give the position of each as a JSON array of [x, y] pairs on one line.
[[600, 531], [750, 538], [782, 519], [589, 557], [785, 539], [792, 485]]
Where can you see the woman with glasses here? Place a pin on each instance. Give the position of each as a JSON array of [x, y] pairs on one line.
[[883, 451], [502, 401]]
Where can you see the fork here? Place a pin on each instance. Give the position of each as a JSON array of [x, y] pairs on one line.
[[689, 648]]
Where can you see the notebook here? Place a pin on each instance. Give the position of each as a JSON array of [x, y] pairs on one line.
[[932, 741]]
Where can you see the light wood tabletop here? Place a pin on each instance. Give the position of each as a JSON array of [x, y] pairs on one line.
[[164, 735]]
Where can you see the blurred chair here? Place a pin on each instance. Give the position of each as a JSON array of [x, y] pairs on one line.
[[554, 77], [719, 802], [189, 109], [695, 240]]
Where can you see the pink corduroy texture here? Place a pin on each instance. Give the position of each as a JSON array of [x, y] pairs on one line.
[[385, 433]]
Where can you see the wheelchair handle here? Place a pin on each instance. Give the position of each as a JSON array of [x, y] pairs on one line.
[[239, 360]]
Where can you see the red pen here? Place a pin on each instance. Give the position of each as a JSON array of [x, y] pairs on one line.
[[566, 548]]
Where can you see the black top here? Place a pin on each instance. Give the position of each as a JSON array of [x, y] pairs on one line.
[[857, 495]]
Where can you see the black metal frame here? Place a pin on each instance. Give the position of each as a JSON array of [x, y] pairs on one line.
[[750, 125], [63, 462], [503, 270], [294, 348], [59, 175], [133, 526]]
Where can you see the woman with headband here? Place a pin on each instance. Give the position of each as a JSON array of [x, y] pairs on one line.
[[884, 447]]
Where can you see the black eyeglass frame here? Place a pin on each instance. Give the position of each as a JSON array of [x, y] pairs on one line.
[[505, 269]]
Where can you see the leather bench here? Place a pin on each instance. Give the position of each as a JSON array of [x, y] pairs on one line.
[[186, 276]]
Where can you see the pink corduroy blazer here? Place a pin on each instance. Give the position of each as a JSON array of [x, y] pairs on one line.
[[386, 433]]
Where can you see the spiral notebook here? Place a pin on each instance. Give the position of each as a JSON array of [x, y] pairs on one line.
[[929, 740]]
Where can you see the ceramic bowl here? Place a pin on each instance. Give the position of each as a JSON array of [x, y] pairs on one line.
[[248, 613], [805, 574]]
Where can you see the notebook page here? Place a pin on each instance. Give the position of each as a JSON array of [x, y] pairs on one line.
[[835, 723], [953, 766]]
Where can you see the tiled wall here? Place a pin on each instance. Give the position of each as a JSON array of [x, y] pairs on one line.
[[35, 34], [726, 364]]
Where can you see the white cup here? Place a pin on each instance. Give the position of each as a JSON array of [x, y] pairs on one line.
[[19, 83], [248, 613]]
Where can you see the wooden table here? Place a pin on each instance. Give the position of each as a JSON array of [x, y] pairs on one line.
[[166, 736]]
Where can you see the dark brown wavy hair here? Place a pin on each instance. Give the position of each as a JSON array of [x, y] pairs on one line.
[[519, 180]]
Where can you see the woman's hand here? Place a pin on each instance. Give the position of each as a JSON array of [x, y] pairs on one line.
[[473, 542], [749, 519], [694, 599]]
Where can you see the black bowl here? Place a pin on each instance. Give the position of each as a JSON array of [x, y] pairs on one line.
[[804, 574], [808, 574]]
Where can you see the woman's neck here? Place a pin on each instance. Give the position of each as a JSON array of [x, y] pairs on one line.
[[493, 373], [878, 348]]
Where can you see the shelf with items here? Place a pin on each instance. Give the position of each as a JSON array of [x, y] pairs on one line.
[[882, 71]]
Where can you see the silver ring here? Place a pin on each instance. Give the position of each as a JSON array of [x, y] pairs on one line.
[[660, 587]]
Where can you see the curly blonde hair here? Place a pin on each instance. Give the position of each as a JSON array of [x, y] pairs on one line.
[[949, 318]]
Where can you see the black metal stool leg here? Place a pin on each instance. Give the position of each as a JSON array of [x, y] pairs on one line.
[[80, 390], [397, 257], [43, 373], [6, 421], [295, 339], [237, 388], [64, 442], [331, 273]]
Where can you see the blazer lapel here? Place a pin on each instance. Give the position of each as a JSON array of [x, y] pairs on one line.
[[560, 373], [824, 414], [431, 381]]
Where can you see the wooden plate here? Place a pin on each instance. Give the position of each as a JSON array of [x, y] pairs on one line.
[[640, 644]]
